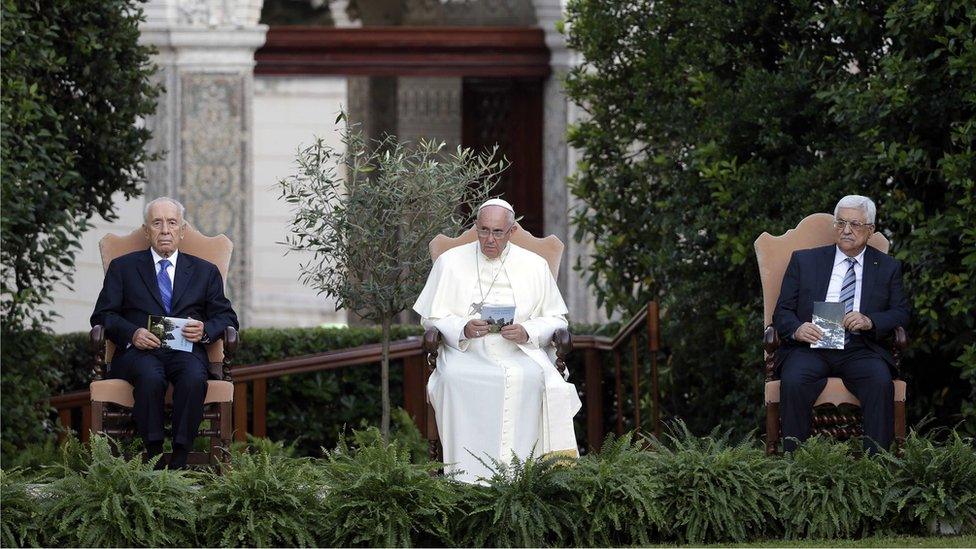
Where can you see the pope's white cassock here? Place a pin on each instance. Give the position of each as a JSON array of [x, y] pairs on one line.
[[491, 396]]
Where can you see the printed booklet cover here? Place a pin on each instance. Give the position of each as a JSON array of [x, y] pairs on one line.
[[829, 317], [169, 330], [498, 316]]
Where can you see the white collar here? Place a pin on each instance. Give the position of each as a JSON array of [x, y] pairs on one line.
[[156, 257], [840, 256]]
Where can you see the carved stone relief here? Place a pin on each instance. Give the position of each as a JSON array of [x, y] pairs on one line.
[[214, 157]]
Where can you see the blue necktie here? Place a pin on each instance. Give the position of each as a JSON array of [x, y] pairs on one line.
[[847, 291], [165, 285]]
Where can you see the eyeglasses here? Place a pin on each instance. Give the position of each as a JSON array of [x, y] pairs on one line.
[[855, 226], [497, 233]]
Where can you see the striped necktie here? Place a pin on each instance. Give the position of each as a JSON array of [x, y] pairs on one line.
[[165, 284], [847, 291]]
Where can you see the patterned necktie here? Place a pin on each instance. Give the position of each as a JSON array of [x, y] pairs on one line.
[[165, 285], [847, 291]]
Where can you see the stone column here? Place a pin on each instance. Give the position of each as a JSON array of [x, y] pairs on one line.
[[559, 162], [203, 122]]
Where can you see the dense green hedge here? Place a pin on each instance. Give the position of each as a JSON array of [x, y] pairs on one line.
[[682, 489], [311, 409]]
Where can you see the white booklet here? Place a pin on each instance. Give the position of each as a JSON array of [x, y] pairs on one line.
[[498, 316], [169, 330], [829, 317]]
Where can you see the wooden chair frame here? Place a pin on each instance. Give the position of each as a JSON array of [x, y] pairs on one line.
[[111, 400], [550, 248], [773, 254]]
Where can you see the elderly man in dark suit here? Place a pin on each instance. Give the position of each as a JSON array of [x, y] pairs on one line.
[[869, 283], [163, 281]]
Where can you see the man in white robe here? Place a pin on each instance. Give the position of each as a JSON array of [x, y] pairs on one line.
[[496, 394]]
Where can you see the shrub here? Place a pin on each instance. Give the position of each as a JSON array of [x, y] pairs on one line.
[[935, 483], [261, 500], [714, 491], [19, 526], [706, 123], [827, 492], [618, 494], [376, 497], [113, 502], [525, 503]]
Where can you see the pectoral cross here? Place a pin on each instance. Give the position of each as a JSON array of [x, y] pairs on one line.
[[476, 308]]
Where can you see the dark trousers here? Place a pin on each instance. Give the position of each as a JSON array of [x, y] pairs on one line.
[[865, 374], [150, 373]]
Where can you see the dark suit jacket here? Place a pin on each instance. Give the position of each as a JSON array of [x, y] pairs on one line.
[[130, 294], [806, 280]]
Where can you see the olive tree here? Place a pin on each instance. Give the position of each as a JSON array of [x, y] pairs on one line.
[[366, 212]]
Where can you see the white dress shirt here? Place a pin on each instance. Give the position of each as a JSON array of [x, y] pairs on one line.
[[171, 270], [838, 274]]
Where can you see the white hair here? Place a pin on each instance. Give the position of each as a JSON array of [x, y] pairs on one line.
[[509, 214], [173, 201], [859, 202]]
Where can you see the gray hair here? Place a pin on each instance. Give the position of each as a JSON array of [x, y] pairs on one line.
[[509, 214], [173, 201], [859, 202]]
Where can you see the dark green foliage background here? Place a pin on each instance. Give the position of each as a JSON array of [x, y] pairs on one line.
[[706, 123], [75, 81]]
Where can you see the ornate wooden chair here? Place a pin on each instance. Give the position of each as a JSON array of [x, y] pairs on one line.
[[836, 411], [550, 248], [112, 399]]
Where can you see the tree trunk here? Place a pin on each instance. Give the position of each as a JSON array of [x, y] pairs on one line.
[[385, 381]]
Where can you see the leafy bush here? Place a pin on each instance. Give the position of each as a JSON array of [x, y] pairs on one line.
[[715, 490], [620, 495], [706, 123], [826, 492], [525, 503], [113, 502], [376, 497], [261, 500], [935, 483], [19, 526]]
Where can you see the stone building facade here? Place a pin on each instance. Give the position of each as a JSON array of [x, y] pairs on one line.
[[229, 135]]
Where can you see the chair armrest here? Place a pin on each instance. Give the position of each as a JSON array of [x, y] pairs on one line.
[[770, 344], [96, 344], [898, 346], [430, 345], [563, 341], [231, 341]]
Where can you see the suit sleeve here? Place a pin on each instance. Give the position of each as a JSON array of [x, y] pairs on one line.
[[785, 319], [108, 308], [219, 312], [898, 312]]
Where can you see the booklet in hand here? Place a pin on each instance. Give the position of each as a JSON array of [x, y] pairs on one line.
[[169, 330], [498, 316], [829, 317]]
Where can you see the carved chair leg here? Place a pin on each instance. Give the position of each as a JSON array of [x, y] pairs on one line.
[[899, 426], [772, 428], [97, 416], [226, 431]]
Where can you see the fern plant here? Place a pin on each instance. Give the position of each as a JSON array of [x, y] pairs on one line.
[[828, 492], [714, 490], [375, 496], [18, 521], [114, 502], [524, 504], [262, 445], [620, 495], [935, 484], [262, 499]]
